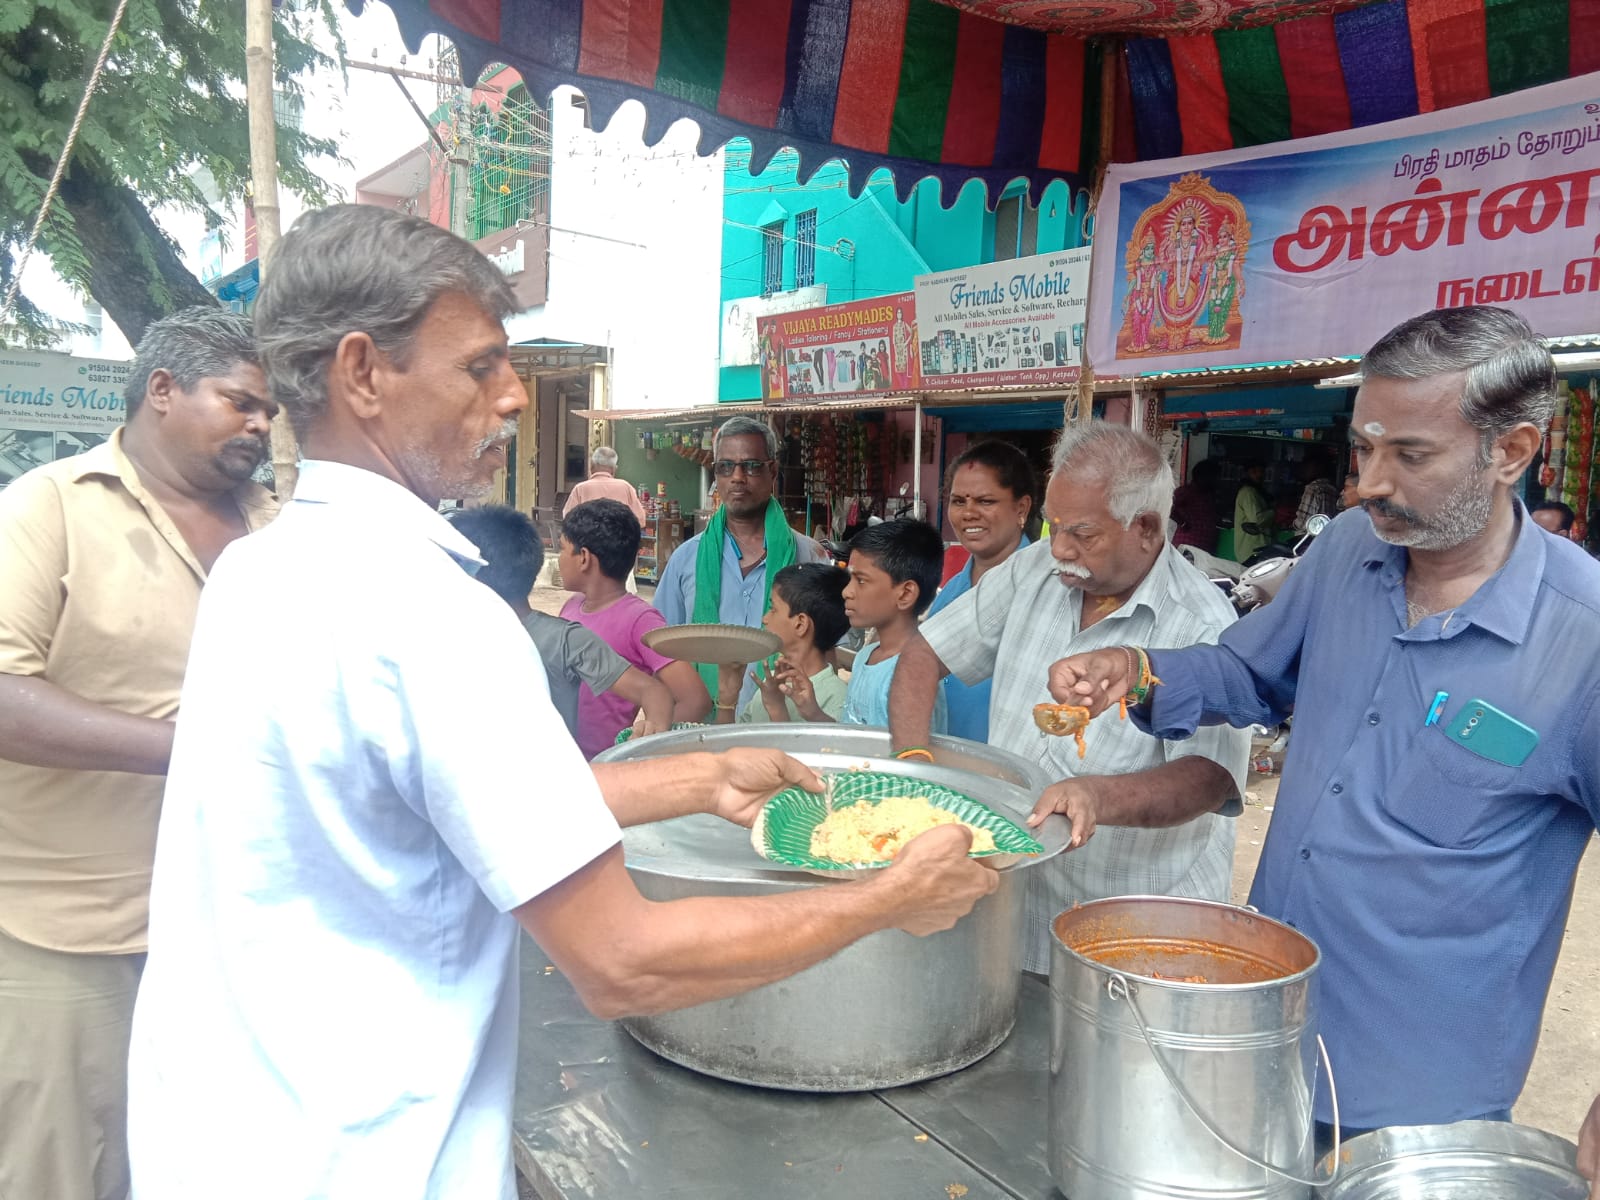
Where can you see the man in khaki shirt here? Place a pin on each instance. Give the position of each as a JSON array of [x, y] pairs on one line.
[[103, 557]]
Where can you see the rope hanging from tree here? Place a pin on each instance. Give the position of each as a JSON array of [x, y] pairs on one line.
[[61, 165]]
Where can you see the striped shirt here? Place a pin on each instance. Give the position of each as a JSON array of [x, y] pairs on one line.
[[1017, 622]]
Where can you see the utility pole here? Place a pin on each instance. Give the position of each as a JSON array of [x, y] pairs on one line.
[[456, 97], [264, 196]]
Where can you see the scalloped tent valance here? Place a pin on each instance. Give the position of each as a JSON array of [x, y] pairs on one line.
[[1000, 90]]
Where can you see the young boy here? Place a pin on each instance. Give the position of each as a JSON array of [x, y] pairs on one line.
[[894, 572], [599, 542], [573, 656], [807, 615]]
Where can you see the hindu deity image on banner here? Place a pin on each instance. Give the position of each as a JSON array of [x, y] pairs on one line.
[[1185, 273]]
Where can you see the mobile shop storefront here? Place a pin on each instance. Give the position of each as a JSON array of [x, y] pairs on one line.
[[1276, 417], [1568, 469], [1001, 348], [991, 349], [1242, 258], [55, 406]]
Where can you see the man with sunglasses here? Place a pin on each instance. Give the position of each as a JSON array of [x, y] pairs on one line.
[[722, 575]]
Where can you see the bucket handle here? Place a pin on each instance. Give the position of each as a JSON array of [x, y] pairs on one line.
[[1118, 987]]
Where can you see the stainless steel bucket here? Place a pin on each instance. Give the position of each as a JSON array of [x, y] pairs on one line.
[[890, 1009], [1150, 1077]]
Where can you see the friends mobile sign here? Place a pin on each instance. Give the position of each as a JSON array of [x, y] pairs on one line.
[[1019, 322], [43, 390]]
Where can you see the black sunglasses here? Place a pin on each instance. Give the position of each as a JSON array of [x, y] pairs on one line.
[[727, 466]]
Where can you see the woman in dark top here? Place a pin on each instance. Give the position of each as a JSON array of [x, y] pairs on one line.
[[1194, 509]]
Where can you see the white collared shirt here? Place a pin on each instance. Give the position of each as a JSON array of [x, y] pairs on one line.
[[1017, 622], [367, 776]]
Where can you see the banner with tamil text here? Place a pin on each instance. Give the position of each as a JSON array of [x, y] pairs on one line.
[[1318, 247]]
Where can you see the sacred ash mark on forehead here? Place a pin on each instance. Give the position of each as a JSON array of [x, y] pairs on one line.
[[1374, 429]]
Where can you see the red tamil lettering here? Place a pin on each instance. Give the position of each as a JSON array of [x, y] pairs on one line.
[[1583, 275], [1538, 292]]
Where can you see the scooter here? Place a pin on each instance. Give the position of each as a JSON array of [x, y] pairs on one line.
[[1260, 581], [1223, 573]]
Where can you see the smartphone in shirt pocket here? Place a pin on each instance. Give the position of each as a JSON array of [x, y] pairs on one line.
[[1489, 733]]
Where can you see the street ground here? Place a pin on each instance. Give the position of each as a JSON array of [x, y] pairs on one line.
[[1566, 1068]]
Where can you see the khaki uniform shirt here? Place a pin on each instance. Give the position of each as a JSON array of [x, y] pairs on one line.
[[99, 595]]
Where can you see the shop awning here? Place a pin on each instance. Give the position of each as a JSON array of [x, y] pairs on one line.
[[721, 412], [1256, 408], [1004, 89]]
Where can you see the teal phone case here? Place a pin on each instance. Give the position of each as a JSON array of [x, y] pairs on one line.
[[1490, 733]]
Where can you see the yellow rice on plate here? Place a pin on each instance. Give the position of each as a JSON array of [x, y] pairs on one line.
[[867, 832]]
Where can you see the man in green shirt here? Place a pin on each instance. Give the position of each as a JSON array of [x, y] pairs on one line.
[[1252, 514]]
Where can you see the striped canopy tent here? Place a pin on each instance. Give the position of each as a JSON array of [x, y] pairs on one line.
[[1004, 89]]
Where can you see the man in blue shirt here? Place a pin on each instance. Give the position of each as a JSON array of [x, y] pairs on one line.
[[746, 452], [1437, 651]]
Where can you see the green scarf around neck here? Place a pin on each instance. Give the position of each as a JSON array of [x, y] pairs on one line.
[[708, 570]]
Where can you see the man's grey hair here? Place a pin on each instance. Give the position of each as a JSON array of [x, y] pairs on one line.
[[603, 457], [1128, 464], [202, 342], [746, 426], [357, 268], [1510, 375]]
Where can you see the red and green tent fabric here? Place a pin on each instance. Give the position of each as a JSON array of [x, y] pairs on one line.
[[1314, 74], [913, 85], [1004, 89]]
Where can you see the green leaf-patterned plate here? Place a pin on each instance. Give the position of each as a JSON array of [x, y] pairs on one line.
[[782, 830]]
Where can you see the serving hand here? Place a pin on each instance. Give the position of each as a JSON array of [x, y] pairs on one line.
[[749, 777]]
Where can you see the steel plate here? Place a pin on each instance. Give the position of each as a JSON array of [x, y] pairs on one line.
[[1470, 1160], [735, 645]]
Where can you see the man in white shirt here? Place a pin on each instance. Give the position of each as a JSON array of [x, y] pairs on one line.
[[1106, 569], [356, 823]]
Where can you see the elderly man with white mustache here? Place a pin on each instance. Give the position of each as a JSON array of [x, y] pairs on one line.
[[1106, 574]]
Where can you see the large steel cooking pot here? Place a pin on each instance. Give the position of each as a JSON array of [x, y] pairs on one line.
[[890, 1009]]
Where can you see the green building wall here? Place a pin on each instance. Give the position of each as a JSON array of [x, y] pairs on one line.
[[869, 245]]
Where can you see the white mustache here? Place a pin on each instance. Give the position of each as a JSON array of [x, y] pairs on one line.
[[507, 431], [1074, 570]]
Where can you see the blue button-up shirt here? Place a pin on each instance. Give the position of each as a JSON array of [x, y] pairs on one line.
[[1435, 881], [744, 597]]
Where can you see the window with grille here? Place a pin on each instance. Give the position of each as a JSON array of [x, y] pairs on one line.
[[805, 248], [772, 259]]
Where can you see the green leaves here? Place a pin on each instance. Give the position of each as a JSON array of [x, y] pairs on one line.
[[169, 103]]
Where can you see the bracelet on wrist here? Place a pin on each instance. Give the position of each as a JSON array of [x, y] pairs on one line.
[[911, 752], [1144, 678]]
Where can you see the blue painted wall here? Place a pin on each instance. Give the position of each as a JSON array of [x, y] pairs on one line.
[[870, 245]]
